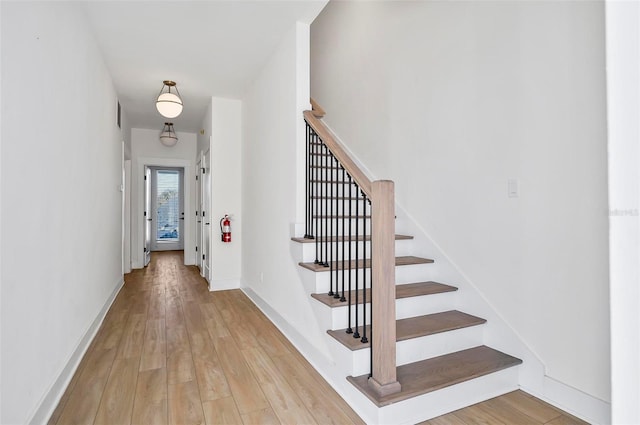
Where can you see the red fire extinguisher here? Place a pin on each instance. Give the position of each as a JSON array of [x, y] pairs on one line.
[[225, 228]]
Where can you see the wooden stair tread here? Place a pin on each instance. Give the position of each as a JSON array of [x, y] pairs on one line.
[[340, 239], [342, 217], [330, 181], [402, 291], [341, 198], [414, 327], [400, 261], [439, 372], [322, 166]]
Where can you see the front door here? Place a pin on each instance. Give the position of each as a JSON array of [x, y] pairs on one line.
[[167, 231]]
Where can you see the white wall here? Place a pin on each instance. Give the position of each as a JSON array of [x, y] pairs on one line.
[[226, 189], [272, 145], [61, 168], [452, 99], [623, 98], [146, 149], [205, 132]]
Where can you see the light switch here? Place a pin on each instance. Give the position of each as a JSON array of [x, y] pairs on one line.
[[512, 188]]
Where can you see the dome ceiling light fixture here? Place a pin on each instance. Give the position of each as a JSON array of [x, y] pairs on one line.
[[168, 136], [169, 104]]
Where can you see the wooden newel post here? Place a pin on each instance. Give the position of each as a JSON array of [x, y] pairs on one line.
[[383, 297]]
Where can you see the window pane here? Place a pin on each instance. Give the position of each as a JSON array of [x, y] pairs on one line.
[[168, 205]]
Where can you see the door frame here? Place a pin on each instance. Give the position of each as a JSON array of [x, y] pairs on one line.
[[189, 222], [205, 205], [162, 245], [147, 215], [198, 204]]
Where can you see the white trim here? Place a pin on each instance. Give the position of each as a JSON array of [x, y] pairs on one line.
[[320, 363], [52, 397], [224, 284], [573, 401]]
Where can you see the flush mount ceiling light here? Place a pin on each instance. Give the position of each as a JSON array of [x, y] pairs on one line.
[[168, 136], [169, 104]]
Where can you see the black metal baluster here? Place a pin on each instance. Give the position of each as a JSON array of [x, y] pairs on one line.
[[320, 204], [316, 190], [308, 183], [328, 200], [356, 334], [334, 232], [370, 297], [344, 197], [349, 329], [364, 339], [325, 195]]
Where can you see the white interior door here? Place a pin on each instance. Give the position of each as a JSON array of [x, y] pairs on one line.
[[167, 207], [147, 215], [206, 219], [199, 215]]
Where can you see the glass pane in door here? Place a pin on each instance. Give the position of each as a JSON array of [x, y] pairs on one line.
[[168, 205]]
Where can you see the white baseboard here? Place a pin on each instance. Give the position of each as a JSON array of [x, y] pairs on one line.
[[224, 284], [573, 401], [320, 363], [52, 397]]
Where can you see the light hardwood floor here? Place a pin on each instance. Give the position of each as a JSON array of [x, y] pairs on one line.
[[171, 352]]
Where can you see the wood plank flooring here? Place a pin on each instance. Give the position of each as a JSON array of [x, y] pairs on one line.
[[171, 352], [515, 408]]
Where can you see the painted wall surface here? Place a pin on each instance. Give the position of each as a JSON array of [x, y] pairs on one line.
[[451, 100], [272, 144], [203, 136], [61, 168], [623, 99], [146, 148], [226, 189]]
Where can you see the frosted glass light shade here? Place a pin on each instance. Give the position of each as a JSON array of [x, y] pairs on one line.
[[168, 136], [169, 105]]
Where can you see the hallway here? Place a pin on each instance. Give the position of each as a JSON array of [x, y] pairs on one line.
[[171, 352]]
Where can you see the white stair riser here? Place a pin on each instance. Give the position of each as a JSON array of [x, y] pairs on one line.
[[404, 274], [403, 247], [334, 226], [436, 403], [340, 205], [405, 308], [357, 362]]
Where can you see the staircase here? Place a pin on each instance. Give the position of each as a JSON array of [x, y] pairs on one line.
[[439, 360]]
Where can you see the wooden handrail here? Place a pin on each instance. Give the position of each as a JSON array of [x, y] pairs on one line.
[[317, 109], [341, 155]]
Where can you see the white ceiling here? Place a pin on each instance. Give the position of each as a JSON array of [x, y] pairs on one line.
[[210, 48]]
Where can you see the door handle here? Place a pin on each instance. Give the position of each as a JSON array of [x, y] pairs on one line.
[[181, 218], [149, 219], [206, 224]]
